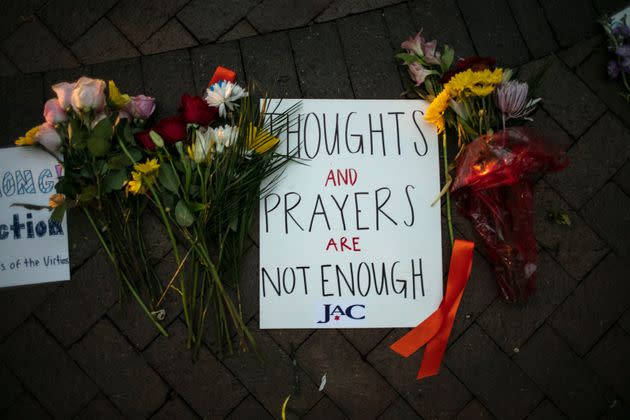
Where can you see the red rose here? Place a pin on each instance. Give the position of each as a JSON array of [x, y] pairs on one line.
[[171, 129], [195, 110], [145, 140], [474, 63]]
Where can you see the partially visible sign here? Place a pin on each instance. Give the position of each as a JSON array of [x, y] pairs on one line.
[[33, 248], [348, 237]]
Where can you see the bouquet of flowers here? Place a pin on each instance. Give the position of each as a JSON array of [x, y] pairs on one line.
[[619, 45], [484, 106], [90, 129], [204, 174]]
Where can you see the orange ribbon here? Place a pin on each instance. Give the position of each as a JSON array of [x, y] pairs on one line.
[[435, 330], [222, 73]]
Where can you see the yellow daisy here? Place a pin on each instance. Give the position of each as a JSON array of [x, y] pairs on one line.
[[135, 186], [147, 167], [435, 111], [28, 139], [479, 83]]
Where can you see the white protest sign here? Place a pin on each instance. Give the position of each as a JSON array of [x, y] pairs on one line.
[[349, 239], [33, 248]]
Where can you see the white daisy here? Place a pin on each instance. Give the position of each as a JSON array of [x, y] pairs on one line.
[[224, 137], [224, 94]]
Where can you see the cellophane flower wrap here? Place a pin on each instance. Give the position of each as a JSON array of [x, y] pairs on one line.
[[89, 127], [206, 168], [484, 107]]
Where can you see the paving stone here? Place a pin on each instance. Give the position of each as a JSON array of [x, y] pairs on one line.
[[249, 408], [533, 25], [14, 13], [399, 410], [290, 340], [11, 388], [320, 78], [624, 321], [69, 19], [609, 359], [608, 214], [617, 410], [351, 383], [593, 72], [63, 75], [155, 236], [400, 26], [584, 317], [576, 247], [276, 15], [175, 408], [99, 409], [369, 57], [562, 375], [480, 291], [276, 368], [474, 410], [7, 68], [119, 370], [170, 357], [494, 379], [511, 324], [21, 107], [41, 367], [365, 339], [504, 40], [243, 29], [139, 19], [566, 15], [103, 42], [20, 302], [171, 36], [325, 409], [82, 241], [206, 59], [33, 48], [440, 396], [132, 320], [126, 73], [72, 309], [566, 98], [269, 62], [575, 55], [26, 407], [341, 8], [196, 14], [551, 130], [167, 77], [546, 410], [622, 178], [609, 7], [605, 143], [442, 20]]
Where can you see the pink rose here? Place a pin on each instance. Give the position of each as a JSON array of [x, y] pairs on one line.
[[53, 112], [63, 91], [48, 137], [88, 94], [140, 106]]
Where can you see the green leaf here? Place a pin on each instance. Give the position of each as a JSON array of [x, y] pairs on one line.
[[559, 218], [168, 178], [87, 193], [98, 146], [58, 213], [118, 161], [183, 215], [447, 58], [103, 129], [114, 180], [408, 58]]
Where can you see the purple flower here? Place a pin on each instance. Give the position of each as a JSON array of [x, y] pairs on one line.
[[623, 51], [621, 30], [613, 69], [511, 99], [625, 65]]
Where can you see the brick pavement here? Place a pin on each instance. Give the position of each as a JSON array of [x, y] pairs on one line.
[[72, 350]]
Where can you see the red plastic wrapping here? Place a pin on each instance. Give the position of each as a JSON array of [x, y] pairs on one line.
[[493, 188]]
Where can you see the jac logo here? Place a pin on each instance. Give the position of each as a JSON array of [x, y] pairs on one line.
[[336, 312]]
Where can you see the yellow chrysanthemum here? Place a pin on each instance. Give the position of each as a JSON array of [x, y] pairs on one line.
[[479, 83], [435, 111], [147, 167], [28, 139], [55, 200], [260, 141], [117, 99]]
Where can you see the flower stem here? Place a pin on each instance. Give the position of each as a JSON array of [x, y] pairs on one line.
[[122, 275], [449, 217]]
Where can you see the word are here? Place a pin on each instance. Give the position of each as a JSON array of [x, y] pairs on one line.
[[18, 229], [343, 244]]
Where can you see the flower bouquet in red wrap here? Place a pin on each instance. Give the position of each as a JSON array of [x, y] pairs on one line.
[[485, 107]]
